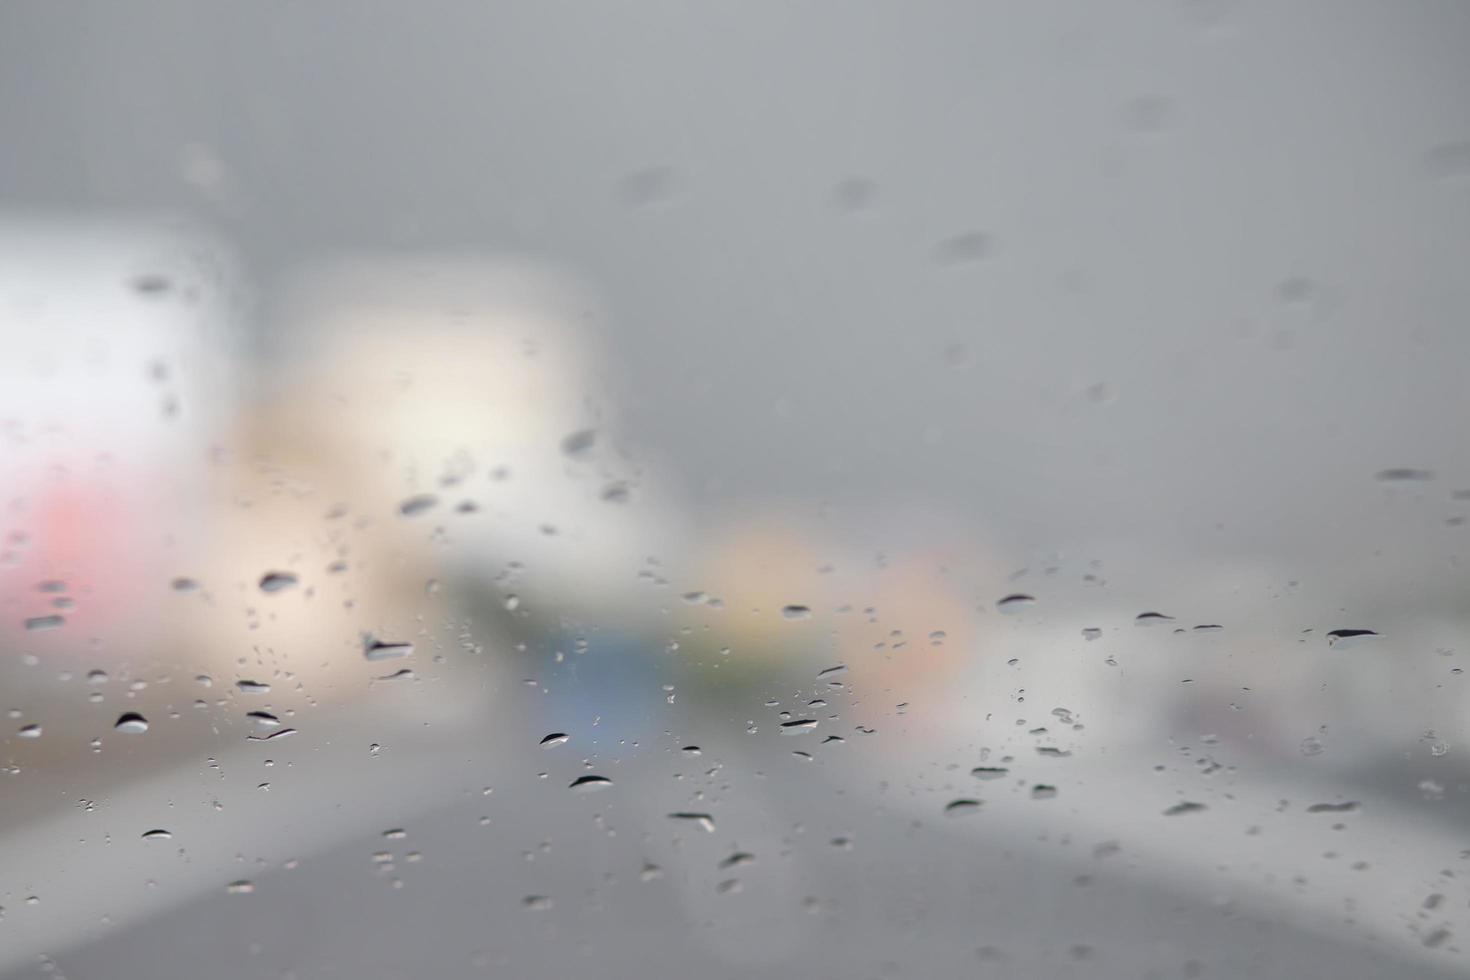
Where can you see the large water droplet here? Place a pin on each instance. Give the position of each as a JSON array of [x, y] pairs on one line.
[[1151, 619], [555, 738], [417, 504], [589, 784], [1347, 639], [580, 443], [704, 820], [30, 731], [253, 687], [960, 808], [799, 726], [272, 582], [279, 733], [796, 612], [1348, 807], [132, 723], [241, 887], [1015, 602], [375, 649], [37, 623], [159, 834]]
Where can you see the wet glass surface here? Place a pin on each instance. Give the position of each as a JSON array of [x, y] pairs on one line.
[[773, 490]]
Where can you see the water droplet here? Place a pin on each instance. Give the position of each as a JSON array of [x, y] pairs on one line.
[[1209, 628], [690, 750], [1015, 602], [737, 859], [1091, 633], [960, 808], [1348, 807], [830, 671], [617, 492], [1043, 792], [158, 834], [589, 784], [512, 603], [151, 284], [704, 820], [1296, 289], [241, 887], [798, 726], [539, 903], [253, 687], [1151, 619], [96, 677], [989, 772], [184, 585], [1051, 752], [730, 886], [417, 504], [650, 872], [36, 623], [580, 443], [855, 193], [272, 582], [281, 733], [555, 738], [132, 723], [1186, 807], [796, 612], [649, 186], [1148, 114], [375, 649], [1436, 937], [970, 246], [1403, 474], [30, 731], [1349, 638]]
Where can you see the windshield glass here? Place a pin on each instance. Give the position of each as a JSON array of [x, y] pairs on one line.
[[650, 490]]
